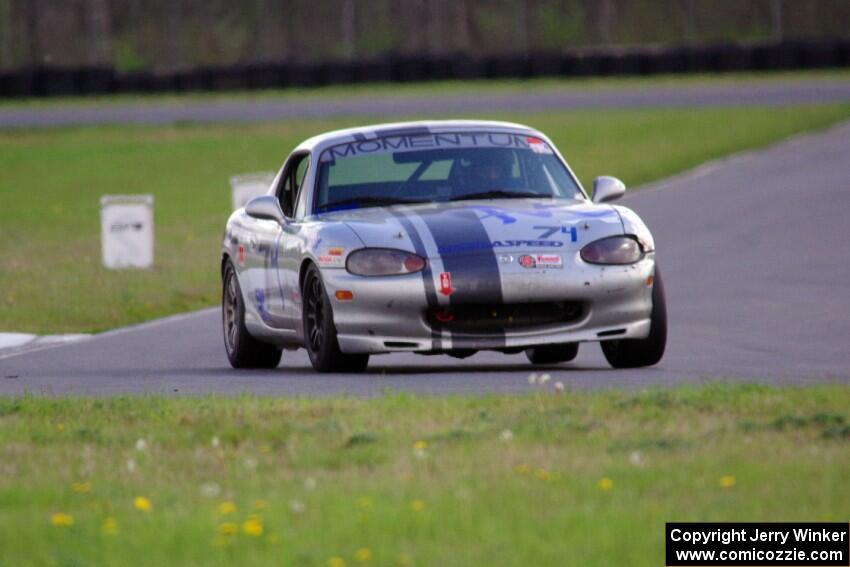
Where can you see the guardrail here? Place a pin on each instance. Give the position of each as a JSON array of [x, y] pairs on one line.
[[64, 81]]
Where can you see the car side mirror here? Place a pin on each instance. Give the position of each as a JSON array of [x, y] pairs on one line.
[[265, 207], [607, 188]]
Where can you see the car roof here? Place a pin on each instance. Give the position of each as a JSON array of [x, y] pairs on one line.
[[360, 133]]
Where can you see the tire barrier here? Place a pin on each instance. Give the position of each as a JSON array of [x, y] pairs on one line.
[[49, 81]]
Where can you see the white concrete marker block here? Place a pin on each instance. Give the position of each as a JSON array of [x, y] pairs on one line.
[[127, 231], [245, 187]]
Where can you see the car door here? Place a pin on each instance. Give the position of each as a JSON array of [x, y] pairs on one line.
[[259, 259], [279, 291]]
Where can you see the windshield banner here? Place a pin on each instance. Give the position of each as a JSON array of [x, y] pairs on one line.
[[418, 142]]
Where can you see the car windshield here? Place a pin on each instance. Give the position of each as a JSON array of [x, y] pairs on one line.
[[403, 169]]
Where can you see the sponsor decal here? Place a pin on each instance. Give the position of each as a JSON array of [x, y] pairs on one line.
[[328, 260], [541, 261], [549, 261], [240, 254], [421, 141], [446, 283], [527, 261], [529, 243], [332, 257], [506, 259], [538, 146]]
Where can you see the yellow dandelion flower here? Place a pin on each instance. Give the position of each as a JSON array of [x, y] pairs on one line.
[[110, 526], [364, 502], [417, 505], [62, 520], [226, 508], [336, 562], [81, 487], [253, 526], [227, 529], [363, 555], [522, 468], [420, 445], [542, 474], [60, 427], [142, 503], [727, 481], [405, 559], [605, 483], [260, 504]]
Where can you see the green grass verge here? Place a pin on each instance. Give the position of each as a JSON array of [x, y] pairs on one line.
[[438, 88], [51, 182], [543, 479]]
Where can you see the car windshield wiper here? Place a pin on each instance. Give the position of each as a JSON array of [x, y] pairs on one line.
[[357, 202], [499, 194]]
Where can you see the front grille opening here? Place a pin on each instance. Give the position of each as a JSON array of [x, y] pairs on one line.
[[482, 319]]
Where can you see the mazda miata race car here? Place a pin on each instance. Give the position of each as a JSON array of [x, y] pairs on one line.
[[442, 237]]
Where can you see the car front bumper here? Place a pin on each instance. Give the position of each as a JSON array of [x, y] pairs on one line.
[[390, 314]]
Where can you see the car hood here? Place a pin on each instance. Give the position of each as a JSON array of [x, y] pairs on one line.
[[483, 226]]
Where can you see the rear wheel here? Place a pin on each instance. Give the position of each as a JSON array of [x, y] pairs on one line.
[[243, 350], [320, 333], [552, 354], [634, 353]]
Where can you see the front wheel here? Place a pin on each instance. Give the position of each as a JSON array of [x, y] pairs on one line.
[[634, 353], [319, 330], [243, 350]]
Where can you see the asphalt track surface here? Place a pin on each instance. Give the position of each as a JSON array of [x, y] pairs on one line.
[[754, 252], [260, 109]]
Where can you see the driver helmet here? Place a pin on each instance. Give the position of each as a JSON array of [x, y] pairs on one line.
[[488, 169]]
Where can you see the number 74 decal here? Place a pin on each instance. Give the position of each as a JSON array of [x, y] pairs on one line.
[[549, 230]]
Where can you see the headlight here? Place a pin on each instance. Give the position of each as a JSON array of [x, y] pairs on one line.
[[612, 250], [383, 262]]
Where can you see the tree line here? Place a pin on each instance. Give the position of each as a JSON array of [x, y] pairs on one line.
[[180, 34]]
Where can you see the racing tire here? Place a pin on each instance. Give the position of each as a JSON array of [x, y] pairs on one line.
[[635, 353], [320, 337], [243, 350], [552, 354]]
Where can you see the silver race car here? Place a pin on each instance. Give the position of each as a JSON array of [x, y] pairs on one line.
[[444, 237]]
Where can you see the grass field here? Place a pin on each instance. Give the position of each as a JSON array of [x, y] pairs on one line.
[[51, 182], [438, 88], [543, 479]]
